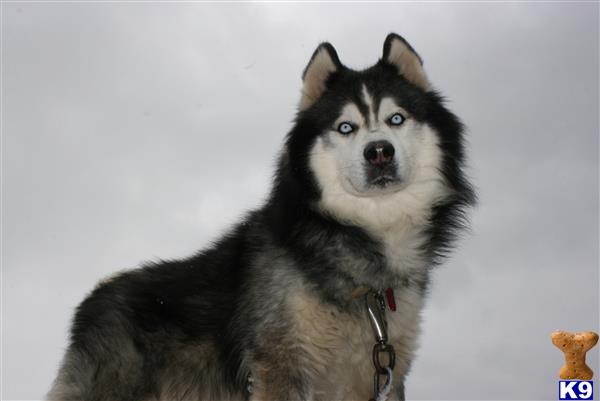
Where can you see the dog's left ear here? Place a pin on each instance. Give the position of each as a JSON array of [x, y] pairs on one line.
[[322, 64], [400, 54]]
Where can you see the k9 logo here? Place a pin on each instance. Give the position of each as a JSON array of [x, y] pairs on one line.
[[576, 390]]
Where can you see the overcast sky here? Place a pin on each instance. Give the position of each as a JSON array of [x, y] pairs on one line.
[[133, 132]]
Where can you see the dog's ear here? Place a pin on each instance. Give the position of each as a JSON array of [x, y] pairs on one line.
[[322, 64], [397, 52]]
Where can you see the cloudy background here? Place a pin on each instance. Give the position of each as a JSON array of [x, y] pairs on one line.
[[140, 131]]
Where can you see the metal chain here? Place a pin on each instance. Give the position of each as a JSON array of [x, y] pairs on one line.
[[375, 303]]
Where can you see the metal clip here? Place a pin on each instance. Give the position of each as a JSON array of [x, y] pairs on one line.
[[374, 302]]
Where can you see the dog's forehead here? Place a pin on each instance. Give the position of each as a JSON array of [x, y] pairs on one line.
[[371, 105], [366, 104]]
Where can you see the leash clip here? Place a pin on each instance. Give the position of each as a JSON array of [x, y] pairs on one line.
[[376, 312]]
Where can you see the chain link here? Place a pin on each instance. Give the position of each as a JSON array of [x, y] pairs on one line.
[[379, 349]]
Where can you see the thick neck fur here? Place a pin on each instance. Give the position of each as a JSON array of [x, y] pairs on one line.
[[337, 258]]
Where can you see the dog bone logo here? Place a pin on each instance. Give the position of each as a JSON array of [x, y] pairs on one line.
[[574, 346]]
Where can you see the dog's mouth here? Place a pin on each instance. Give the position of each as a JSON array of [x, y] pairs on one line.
[[383, 181], [376, 183], [381, 177]]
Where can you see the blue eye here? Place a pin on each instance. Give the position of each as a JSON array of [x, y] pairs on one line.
[[396, 119], [345, 128]]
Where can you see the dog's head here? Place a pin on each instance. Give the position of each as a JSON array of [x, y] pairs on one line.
[[375, 146]]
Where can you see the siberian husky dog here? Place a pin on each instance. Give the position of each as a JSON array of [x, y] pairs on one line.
[[368, 196]]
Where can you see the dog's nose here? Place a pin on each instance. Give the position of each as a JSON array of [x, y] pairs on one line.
[[379, 153]]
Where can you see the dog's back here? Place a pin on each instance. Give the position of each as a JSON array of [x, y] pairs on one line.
[[160, 332]]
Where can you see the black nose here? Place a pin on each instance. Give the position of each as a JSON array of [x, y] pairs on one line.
[[379, 153]]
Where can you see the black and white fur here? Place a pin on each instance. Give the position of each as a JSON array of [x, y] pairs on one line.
[[272, 299]]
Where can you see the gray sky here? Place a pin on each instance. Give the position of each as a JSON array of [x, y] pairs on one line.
[[113, 114]]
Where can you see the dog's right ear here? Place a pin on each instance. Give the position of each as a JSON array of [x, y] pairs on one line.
[[322, 64]]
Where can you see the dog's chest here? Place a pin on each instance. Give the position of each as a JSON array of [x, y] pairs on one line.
[[339, 345]]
